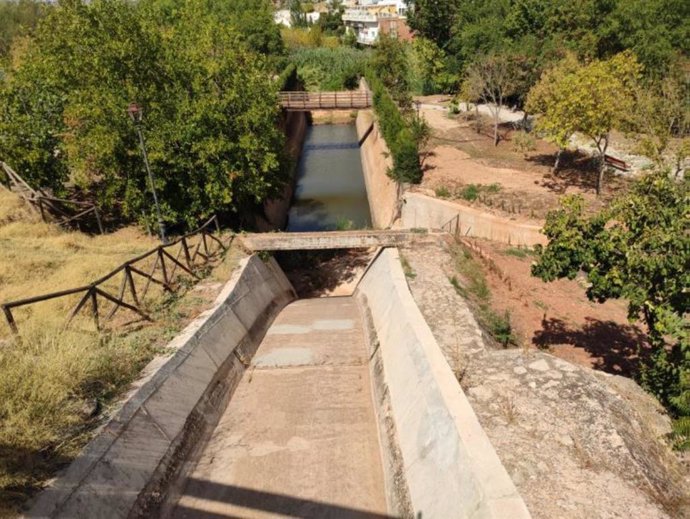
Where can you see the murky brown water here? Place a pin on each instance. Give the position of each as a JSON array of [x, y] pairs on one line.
[[330, 192]]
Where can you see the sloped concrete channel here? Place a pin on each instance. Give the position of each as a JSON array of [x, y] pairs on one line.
[[276, 407]]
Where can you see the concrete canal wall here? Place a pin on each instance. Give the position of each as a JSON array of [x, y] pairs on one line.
[[449, 465], [126, 470]]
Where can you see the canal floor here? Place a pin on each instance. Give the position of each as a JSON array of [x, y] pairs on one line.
[[299, 437]]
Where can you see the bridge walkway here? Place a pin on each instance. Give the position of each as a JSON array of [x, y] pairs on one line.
[[272, 241], [301, 101], [299, 437]]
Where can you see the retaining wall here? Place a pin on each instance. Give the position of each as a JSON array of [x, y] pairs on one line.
[[424, 211], [382, 191], [294, 125], [448, 462], [126, 471]]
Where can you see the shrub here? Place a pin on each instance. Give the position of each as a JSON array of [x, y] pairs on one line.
[[524, 142], [399, 132], [442, 192], [470, 192]]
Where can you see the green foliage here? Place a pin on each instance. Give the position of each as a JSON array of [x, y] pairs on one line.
[[442, 192], [433, 19], [329, 69], [470, 192], [429, 69], [592, 99], [637, 249], [209, 109], [390, 65], [524, 142], [401, 133], [17, 19]]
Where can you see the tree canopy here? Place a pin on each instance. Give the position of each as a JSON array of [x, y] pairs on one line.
[[590, 98], [200, 73]]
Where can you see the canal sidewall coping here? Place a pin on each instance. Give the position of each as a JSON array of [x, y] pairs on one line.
[[125, 471], [450, 466]]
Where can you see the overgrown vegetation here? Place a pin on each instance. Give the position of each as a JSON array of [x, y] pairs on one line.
[[329, 69], [56, 385], [637, 249], [471, 284]]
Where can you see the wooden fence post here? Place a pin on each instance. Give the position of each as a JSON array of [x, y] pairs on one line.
[[163, 269], [132, 287], [94, 307], [10, 319]]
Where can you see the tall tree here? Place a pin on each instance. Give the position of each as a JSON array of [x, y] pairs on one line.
[[662, 122], [433, 19], [391, 66]]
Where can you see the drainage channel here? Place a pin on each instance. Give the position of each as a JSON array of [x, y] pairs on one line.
[[299, 437]]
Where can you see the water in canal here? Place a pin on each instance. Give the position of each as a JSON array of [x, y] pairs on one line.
[[330, 192]]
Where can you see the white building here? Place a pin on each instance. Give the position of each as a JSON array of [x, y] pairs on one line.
[[370, 16]]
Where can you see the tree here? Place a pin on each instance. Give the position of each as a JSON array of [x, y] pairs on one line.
[[490, 80], [433, 19], [638, 249], [662, 119], [548, 94], [210, 110], [390, 64], [430, 66], [592, 99]]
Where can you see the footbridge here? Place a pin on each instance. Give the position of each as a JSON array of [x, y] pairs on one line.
[[331, 239], [307, 101]]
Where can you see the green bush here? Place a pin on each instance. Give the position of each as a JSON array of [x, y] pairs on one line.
[[442, 192], [329, 69], [470, 192], [398, 132]]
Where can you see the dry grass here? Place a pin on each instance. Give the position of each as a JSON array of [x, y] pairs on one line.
[[57, 385]]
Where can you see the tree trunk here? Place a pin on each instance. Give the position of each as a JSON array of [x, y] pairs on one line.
[[602, 163], [558, 160], [600, 175], [476, 118], [496, 121]]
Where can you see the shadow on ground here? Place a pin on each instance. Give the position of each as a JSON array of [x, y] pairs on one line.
[[614, 348], [249, 500], [316, 272]]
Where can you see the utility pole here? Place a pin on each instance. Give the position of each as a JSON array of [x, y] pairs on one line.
[[137, 114]]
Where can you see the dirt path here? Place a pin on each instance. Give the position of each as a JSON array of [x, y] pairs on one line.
[[299, 438]]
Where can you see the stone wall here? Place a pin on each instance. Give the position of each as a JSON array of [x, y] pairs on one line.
[[449, 465]]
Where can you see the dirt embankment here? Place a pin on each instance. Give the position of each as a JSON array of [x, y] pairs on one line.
[[465, 166]]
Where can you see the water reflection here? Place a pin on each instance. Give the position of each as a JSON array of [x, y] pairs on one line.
[[330, 191]]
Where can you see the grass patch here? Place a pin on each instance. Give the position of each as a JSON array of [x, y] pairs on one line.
[[57, 385], [407, 268], [471, 284], [442, 192], [471, 192], [519, 252]]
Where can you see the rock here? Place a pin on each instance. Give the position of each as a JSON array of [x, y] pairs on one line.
[[583, 445]]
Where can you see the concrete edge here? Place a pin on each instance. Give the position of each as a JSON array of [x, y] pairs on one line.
[[451, 468], [142, 447]]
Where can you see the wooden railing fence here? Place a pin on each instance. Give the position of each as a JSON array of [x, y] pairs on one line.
[[186, 255], [66, 213]]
